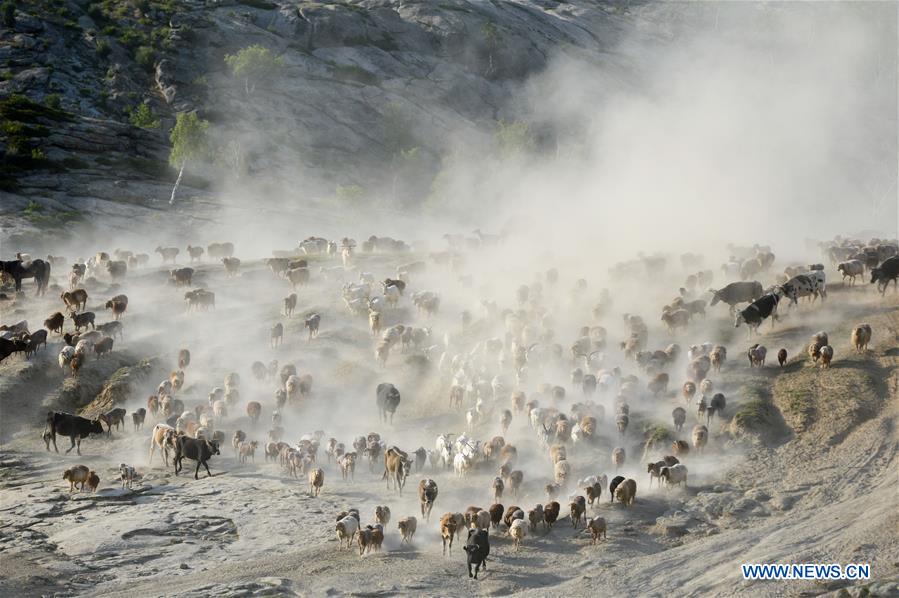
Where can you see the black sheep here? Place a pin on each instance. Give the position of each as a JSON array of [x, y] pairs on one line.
[[388, 399]]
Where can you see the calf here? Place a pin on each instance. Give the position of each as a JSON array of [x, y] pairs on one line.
[[737, 292], [757, 311], [885, 273], [478, 549], [138, 417], [73, 426], [197, 449], [116, 418]]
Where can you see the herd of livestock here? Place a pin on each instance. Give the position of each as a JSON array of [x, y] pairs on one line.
[[499, 371]]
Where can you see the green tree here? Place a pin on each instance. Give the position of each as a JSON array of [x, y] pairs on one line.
[[350, 193], [143, 118], [514, 138], [189, 139], [253, 64], [491, 36], [8, 10]]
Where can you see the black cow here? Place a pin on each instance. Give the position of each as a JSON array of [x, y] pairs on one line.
[[39, 270], [886, 272], [73, 426], [198, 449], [478, 549], [758, 310], [737, 292], [388, 400], [10, 346]]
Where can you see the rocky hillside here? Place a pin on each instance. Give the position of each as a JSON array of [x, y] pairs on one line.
[[361, 93]]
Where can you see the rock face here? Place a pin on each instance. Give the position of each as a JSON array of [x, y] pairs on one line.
[[359, 82]]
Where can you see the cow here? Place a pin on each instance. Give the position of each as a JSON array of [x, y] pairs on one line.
[[39, 270], [116, 418], [198, 449], [388, 399], [885, 273], [10, 346], [478, 549], [851, 269], [737, 292], [73, 426], [801, 285], [758, 310]]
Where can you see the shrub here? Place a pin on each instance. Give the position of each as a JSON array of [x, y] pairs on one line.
[[350, 193], [8, 12], [145, 57], [142, 117], [38, 154], [53, 101], [103, 48]]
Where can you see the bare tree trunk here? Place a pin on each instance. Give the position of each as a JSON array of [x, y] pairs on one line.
[[177, 183]]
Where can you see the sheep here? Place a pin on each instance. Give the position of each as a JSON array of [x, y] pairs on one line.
[[137, 418], [374, 322], [55, 323], [93, 481], [82, 320], [247, 450], [535, 516], [700, 437], [407, 527], [551, 513], [679, 416], [757, 354], [311, 324], [826, 356], [613, 486], [674, 475], [75, 300], [716, 406], [659, 384], [851, 269], [517, 532], [597, 527], [621, 422], [376, 536], [290, 304], [618, 457], [860, 337], [674, 319], [577, 508], [818, 340], [562, 472], [364, 539], [688, 390], [481, 520], [76, 475], [718, 356], [232, 265], [680, 447], [127, 475], [782, 357], [277, 335], [76, 363], [346, 531], [382, 514], [297, 276], [195, 253], [316, 481], [427, 495], [498, 486], [626, 492]]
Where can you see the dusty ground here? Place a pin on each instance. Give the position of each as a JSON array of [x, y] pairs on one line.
[[821, 487]]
